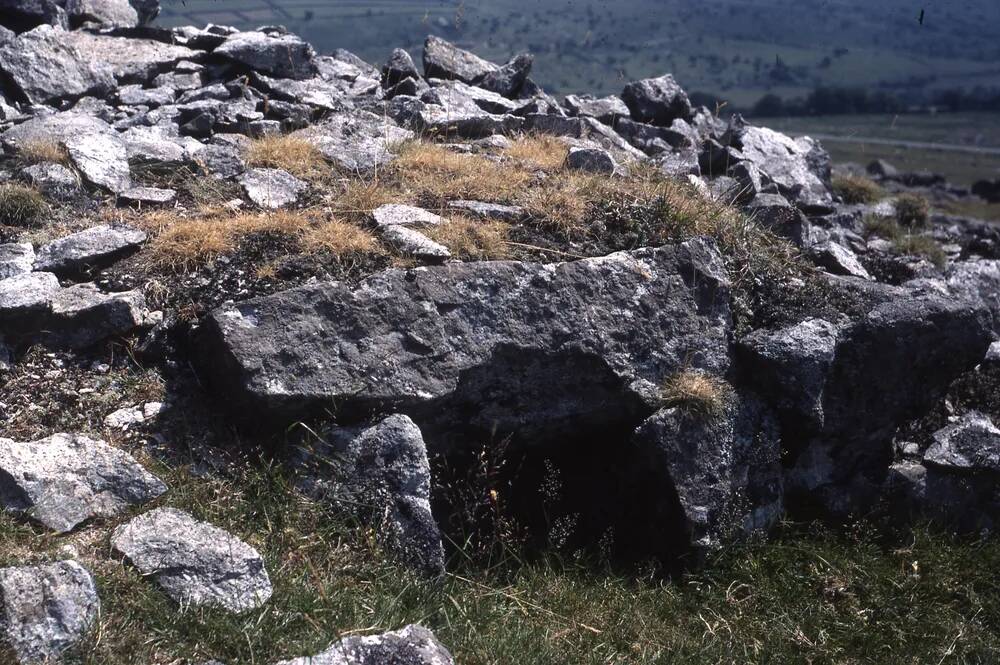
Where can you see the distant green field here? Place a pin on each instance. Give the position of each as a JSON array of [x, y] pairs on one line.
[[736, 49], [956, 134]]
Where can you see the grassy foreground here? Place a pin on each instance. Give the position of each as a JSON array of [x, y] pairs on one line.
[[808, 595]]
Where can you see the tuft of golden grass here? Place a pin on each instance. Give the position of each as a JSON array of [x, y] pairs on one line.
[[358, 198], [182, 243], [539, 151], [857, 189], [43, 150], [696, 393], [341, 239], [432, 172], [291, 153], [472, 240], [561, 203]]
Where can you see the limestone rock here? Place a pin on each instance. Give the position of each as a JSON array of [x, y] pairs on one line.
[[444, 60], [725, 468], [102, 159], [971, 443], [593, 160], [195, 563], [93, 248], [46, 609], [357, 142], [52, 179], [271, 188], [486, 210], [411, 242], [381, 474], [279, 55], [412, 645], [65, 479], [44, 68], [16, 259], [393, 214], [114, 13], [658, 101], [423, 342]]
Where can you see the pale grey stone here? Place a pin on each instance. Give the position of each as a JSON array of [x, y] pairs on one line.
[[96, 247], [271, 188], [66, 479], [45, 68], [16, 259], [404, 215], [194, 562], [412, 645], [411, 242], [102, 159], [46, 609]]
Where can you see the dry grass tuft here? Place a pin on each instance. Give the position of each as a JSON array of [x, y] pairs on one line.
[[562, 203], [342, 239], [291, 153], [36, 152], [696, 393], [857, 189], [183, 243], [359, 198], [472, 240], [436, 174], [539, 151]]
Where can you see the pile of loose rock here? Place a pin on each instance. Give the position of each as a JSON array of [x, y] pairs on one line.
[[419, 362]]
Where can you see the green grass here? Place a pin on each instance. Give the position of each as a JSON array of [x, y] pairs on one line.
[[808, 595]]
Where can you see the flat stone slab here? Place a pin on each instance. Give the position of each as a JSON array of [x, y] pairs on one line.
[[195, 562], [93, 248], [412, 645], [972, 443], [44, 68], [271, 188], [102, 159], [65, 479], [26, 293], [405, 338], [413, 243], [483, 210], [395, 214], [45, 610], [149, 195]]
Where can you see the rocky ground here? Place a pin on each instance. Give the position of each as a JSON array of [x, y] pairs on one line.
[[282, 331]]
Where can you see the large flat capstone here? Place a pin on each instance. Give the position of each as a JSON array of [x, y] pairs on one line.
[[520, 345]]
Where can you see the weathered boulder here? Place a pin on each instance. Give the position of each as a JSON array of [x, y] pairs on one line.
[[54, 128], [838, 260], [16, 259], [723, 468], [394, 214], [23, 15], [45, 610], [519, 347], [65, 479], [111, 13], [843, 389], [413, 243], [484, 210], [148, 196], [593, 160], [53, 179], [279, 55], [658, 101], [271, 188], [194, 562], [412, 645], [102, 160], [459, 98], [220, 161], [799, 167], [34, 308], [399, 66], [509, 79], [93, 248], [381, 474], [357, 141], [606, 109], [966, 501], [444, 60], [972, 443], [43, 68]]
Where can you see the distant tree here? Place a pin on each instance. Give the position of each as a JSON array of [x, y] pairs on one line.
[[769, 106]]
